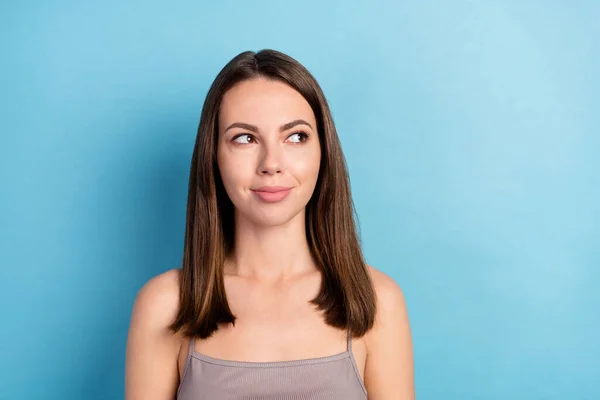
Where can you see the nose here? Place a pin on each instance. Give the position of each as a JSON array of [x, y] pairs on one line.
[[270, 159]]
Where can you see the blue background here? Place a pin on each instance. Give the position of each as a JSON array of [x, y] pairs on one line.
[[471, 133]]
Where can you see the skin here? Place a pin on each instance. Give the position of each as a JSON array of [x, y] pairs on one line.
[[271, 276]]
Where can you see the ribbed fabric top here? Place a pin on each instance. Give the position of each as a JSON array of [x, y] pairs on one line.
[[322, 378]]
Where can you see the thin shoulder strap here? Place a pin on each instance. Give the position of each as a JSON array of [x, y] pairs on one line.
[[349, 336], [191, 345]]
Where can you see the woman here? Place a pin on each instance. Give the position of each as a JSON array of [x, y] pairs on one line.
[[274, 299]]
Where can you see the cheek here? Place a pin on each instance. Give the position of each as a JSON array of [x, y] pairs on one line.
[[307, 165], [235, 172]]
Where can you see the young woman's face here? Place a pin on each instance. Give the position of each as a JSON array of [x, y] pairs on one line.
[[267, 137]]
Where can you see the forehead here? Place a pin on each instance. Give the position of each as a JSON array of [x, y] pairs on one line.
[[265, 103]]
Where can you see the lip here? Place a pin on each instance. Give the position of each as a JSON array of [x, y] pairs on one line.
[[272, 194], [271, 189]]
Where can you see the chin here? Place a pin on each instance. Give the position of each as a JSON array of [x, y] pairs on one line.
[[273, 217]]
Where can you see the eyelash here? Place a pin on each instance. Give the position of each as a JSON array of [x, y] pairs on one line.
[[301, 133]]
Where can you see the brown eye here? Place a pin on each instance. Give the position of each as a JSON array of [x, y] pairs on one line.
[[235, 139], [301, 135]]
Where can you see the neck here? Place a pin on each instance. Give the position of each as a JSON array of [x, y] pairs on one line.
[[270, 253]]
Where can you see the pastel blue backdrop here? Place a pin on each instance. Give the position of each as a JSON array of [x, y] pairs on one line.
[[471, 133]]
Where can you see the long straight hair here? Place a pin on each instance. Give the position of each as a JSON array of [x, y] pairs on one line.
[[346, 297]]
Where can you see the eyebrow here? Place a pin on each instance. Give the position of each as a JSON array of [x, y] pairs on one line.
[[282, 128]]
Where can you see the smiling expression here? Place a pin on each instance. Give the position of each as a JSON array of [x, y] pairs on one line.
[[268, 141]]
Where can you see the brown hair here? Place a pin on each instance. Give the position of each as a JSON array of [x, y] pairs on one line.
[[346, 297]]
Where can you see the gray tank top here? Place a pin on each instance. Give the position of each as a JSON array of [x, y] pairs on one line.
[[323, 378]]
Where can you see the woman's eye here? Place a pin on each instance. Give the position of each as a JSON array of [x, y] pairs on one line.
[[302, 135], [235, 139], [246, 138]]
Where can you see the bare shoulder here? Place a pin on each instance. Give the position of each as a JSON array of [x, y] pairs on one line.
[[390, 298], [157, 301], [389, 367], [151, 370]]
